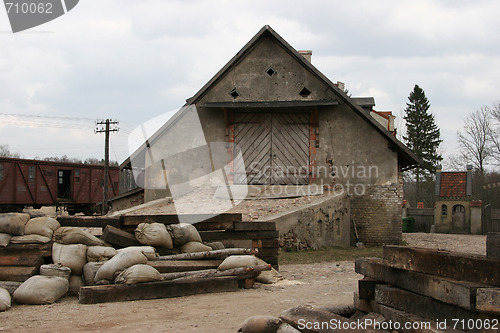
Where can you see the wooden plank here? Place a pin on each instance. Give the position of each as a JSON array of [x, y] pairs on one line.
[[208, 236], [453, 265], [258, 243], [366, 288], [131, 220], [268, 252], [423, 306], [44, 250], [155, 290], [401, 317], [493, 245], [118, 237], [88, 221], [459, 293], [488, 300], [21, 260], [17, 273], [254, 226], [172, 266]]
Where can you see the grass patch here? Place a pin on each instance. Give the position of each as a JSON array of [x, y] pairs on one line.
[[328, 254]]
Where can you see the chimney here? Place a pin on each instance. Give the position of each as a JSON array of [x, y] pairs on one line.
[[437, 192], [341, 85], [469, 180], [306, 54]]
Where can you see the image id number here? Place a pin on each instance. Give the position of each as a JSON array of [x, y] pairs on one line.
[[32, 8]]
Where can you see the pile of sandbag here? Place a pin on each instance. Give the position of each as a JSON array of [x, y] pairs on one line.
[[18, 228]]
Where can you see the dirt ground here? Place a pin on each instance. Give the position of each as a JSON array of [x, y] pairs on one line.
[[324, 284]]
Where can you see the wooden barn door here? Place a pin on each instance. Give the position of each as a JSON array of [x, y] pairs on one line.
[[274, 148]]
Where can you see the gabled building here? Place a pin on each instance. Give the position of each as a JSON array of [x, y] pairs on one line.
[[284, 122], [455, 210]]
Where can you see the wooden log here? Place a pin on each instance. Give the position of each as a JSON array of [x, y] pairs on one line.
[[17, 273], [209, 254], [155, 290], [10, 286], [171, 266], [187, 218], [453, 265], [254, 226], [488, 300], [493, 245], [423, 306], [118, 237], [240, 271], [460, 293], [209, 236], [21, 260], [366, 288], [247, 283], [89, 221]]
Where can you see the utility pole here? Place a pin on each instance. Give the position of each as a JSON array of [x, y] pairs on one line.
[[103, 126]]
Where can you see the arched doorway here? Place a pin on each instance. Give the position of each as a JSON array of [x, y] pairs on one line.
[[458, 219]]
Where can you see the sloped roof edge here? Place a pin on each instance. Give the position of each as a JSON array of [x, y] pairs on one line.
[[408, 158]]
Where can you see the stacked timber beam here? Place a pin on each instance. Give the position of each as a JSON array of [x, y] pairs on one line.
[[445, 290], [18, 262], [223, 227]]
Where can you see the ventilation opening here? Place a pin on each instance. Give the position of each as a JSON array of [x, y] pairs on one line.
[[304, 92], [234, 93], [270, 71]]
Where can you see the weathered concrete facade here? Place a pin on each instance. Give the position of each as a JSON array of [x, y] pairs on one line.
[[309, 127]]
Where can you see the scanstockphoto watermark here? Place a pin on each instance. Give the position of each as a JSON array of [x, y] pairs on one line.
[[350, 179], [25, 14], [367, 324]]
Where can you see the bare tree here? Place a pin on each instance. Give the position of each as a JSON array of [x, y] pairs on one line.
[[5, 152], [475, 138], [495, 132]]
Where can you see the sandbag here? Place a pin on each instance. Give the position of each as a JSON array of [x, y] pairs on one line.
[[73, 256], [137, 274], [41, 290], [191, 247], [43, 226], [154, 234], [215, 245], [89, 271], [119, 263], [148, 251], [268, 277], [183, 233], [75, 235], [55, 270], [261, 324], [13, 223], [4, 239], [75, 283], [100, 253], [30, 239], [238, 261], [4, 299]]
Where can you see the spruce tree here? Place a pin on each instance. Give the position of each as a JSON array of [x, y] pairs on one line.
[[422, 133]]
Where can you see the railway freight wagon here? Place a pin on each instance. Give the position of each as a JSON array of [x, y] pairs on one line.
[[79, 187]]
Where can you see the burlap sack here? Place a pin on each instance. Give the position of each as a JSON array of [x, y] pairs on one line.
[[183, 233], [238, 261], [154, 234], [43, 226], [41, 290], [75, 235], [73, 256], [100, 253], [119, 263], [4, 300], [191, 247], [148, 251], [13, 223], [138, 274]]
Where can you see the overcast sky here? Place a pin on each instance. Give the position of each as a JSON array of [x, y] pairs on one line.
[[136, 60]]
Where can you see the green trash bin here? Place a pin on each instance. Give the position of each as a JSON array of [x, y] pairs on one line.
[[408, 224]]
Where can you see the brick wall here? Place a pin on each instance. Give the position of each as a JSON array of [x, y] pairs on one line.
[[377, 214]]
